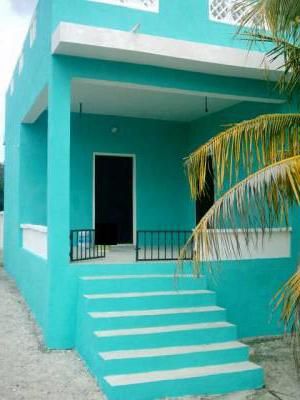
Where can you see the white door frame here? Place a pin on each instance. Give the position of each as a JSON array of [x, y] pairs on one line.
[[133, 156]]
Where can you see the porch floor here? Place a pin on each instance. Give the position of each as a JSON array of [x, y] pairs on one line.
[[124, 254]]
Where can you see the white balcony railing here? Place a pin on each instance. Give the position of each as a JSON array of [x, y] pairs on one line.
[[224, 11]]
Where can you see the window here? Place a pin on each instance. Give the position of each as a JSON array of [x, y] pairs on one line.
[[223, 11], [12, 87], [145, 5], [21, 64], [32, 32]]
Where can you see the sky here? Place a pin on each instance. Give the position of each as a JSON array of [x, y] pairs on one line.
[[15, 17]]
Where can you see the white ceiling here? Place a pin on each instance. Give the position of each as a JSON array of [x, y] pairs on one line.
[[114, 98]]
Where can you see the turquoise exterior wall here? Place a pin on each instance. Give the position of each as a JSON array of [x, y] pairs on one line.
[[203, 129], [31, 273], [162, 193], [33, 172], [185, 22]]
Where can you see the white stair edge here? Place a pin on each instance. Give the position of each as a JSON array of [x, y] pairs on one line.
[[169, 351], [161, 329], [145, 294], [124, 277], [163, 311], [179, 374]]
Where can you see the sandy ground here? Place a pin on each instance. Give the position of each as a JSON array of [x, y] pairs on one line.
[[29, 372]]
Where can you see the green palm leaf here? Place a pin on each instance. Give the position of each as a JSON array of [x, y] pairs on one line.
[[279, 16], [288, 300], [268, 193], [275, 22], [243, 146]]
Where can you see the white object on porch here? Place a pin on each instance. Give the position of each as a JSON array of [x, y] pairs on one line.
[[35, 239]]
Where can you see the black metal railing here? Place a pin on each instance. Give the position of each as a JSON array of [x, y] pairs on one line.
[[163, 245], [83, 247]]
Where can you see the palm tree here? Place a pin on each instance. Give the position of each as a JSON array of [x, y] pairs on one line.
[[266, 149]]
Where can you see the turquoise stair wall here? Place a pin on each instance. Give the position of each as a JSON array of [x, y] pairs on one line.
[[145, 335]]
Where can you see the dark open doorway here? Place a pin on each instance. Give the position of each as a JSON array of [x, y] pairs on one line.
[[205, 202], [114, 199]]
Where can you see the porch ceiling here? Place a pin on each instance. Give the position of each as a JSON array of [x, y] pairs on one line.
[[114, 98]]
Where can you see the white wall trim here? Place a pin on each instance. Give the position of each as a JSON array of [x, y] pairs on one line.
[[277, 243], [253, 230], [37, 228], [134, 205], [35, 239], [111, 44]]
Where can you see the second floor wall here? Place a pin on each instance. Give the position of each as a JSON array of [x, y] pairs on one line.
[[204, 21]]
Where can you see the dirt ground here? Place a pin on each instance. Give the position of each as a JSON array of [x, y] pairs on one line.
[[29, 372]]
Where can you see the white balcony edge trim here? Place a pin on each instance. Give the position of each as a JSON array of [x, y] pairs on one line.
[[116, 45]]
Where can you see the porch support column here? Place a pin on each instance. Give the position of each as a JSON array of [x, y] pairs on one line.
[[58, 208]]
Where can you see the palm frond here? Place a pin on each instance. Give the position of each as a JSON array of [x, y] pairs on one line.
[[278, 16], [288, 300], [275, 22], [289, 54], [260, 141], [268, 193]]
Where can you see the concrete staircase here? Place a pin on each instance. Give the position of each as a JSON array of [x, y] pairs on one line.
[[146, 336]]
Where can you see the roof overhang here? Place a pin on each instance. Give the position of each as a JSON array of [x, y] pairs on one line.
[[37, 108], [109, 44]]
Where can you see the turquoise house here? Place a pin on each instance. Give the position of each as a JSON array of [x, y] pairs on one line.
[[107, 99]]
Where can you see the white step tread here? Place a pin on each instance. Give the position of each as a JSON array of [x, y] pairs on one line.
[[163, 311], [124, 277], [161, 329], [169, 351], [145, 294], [178, 374]]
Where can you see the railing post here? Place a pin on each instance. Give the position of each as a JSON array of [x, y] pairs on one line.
[[71, 246], [85, 245], [137, 246]]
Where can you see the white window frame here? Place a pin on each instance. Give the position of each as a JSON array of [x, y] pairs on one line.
[[12, 87], [21, 64], [144, 5], [32, 32]]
